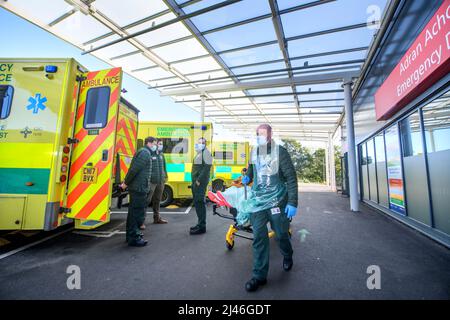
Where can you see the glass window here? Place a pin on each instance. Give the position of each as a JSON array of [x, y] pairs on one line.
[[175, 145], [394, 171], [364, 173], [140, 143], [97, 105], [372, 170], [6, 97], [223, 155], [363, 153], [414, 169], [436, 120], [379, 148], [436, 123], [411, 135], [381, 171], [370, 152]]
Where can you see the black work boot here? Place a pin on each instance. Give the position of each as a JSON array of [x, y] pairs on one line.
[[254, 284], [138, 243], [287, 264], [198, 230]]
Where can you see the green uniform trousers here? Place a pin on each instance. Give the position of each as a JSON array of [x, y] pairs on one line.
[[136, 215], [154, 197], [198, 193], [279, 223]]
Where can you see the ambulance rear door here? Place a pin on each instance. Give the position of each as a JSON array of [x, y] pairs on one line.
[[93, 146]]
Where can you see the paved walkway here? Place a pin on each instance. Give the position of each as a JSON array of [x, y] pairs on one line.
[[330, 263]]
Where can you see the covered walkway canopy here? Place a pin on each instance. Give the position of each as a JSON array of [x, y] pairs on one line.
[[245, 61], [290, 63]]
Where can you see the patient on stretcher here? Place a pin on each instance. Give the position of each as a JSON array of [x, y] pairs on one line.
[[234, 197]]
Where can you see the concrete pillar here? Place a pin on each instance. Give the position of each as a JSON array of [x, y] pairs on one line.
[[331, 162], [202, 108], [352, 177], [327, 165]]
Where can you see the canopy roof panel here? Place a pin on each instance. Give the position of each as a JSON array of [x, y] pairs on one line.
[[254, 61]]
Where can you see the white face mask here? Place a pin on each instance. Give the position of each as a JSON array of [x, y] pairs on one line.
[[199, 146], [261, 140], [160, 147]]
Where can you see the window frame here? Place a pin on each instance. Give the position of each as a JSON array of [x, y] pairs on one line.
[[11, 102]]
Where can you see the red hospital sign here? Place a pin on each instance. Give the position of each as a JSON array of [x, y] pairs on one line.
[[425, 62]]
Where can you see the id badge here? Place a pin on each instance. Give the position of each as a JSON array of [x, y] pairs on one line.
[[275, 210]]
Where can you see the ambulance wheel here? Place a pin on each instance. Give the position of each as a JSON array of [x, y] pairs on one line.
[[167, 197], [229, 245], [218, 185]]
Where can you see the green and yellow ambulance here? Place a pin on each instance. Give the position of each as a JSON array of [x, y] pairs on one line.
[[179, 139], [229, 160], [66, 141]]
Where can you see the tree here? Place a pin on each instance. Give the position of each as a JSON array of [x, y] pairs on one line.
[[309, 166], [338, 166]]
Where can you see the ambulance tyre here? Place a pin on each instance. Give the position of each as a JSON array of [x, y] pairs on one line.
[[167, 197], [218, 185]]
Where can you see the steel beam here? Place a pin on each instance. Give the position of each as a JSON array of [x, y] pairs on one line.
[[308, 56], [274, 83], [276, 114], [164, 24], [265, 95], [282, 43], [241, 75]]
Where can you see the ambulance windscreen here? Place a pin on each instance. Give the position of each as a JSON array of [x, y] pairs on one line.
[[97, 105], [6, 97], [175, 145]]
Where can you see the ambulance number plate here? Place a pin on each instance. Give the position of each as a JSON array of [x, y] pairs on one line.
[[89, 175]]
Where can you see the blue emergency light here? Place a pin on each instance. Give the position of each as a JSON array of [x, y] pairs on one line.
[[51, 69]]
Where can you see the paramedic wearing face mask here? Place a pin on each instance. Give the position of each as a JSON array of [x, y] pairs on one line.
[[137, 181], [275, 184], [157, 180], [201, 170]]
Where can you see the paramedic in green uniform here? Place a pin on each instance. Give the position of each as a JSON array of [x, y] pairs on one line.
[[200, 173], [271, 168], [137, 181], [158, 178]]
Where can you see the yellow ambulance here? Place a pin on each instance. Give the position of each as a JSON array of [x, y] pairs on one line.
[[66, 141], [229, 160], [179, 139]]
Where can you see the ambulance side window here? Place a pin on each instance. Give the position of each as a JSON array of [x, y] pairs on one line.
[[97, 105], [223, 155], [6, 97]]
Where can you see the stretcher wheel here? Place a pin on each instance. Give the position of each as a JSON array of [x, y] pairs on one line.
[[290, 233], [229, 245]]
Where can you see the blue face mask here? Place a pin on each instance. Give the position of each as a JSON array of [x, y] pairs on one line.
[[199, 146], [261, 140], [153, 148]]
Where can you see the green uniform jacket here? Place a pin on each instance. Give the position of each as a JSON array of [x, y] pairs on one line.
[[201, 167], [138, 176], [159, 169], [287, 175]]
